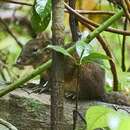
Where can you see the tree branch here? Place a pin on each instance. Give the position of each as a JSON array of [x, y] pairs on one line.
[[16, 2], [9, 31], [95, 24]]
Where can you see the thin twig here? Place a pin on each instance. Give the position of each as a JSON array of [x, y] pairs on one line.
[[16, 2], [125, 8], [123, 47], [79, 11], [92, 12], [73, 22], [86, 20], [10, 32], [128, 4]]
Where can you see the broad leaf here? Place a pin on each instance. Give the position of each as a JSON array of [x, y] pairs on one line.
[[36, 22], [60, 50], [83, 49], [101, 117], [41, 15], [93, 57]]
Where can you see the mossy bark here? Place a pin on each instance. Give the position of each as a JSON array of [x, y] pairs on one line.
[[57, 91]]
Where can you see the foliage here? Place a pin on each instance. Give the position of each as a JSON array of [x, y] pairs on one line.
[[41, 15], [103, 117], [83, 50], [60, 50], [87, 54]]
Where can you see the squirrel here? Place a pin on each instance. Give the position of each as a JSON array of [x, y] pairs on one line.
[[92, 76], [91, 79]]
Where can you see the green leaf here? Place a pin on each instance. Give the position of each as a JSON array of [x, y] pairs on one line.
[[96, 117], [41, 15], [100, 117], [93, 57], [83, 49], [36, 21], [60, 50]]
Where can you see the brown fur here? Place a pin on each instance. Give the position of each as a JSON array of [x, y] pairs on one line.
[[92, 77]]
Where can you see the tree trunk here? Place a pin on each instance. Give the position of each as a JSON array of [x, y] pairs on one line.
[[57, 95]]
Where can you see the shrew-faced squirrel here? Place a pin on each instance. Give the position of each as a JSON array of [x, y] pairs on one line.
[[91, 80]]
